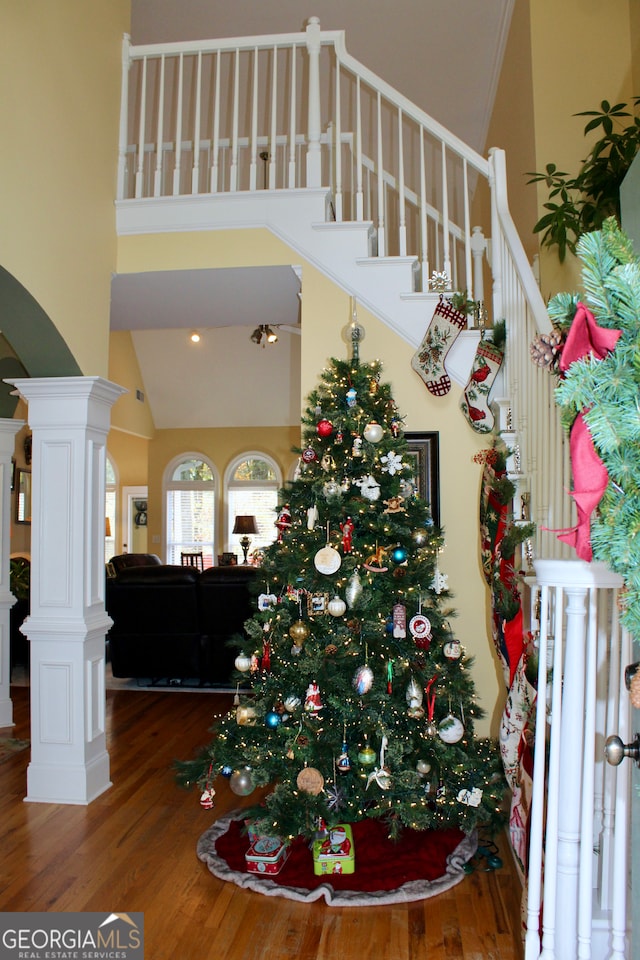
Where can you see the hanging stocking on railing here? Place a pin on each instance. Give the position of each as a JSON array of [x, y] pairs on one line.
[[442, 332], [484, 370]]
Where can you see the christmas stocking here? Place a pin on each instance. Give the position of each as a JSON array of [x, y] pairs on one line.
[[475, 398], [442, 332]]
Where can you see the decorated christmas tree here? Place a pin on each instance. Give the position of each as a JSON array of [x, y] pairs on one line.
[[360, 700]]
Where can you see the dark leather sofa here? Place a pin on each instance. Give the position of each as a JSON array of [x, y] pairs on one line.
[[173, 623]]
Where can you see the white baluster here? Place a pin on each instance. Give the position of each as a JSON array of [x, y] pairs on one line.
[[253, 163], [195, 172], [585, 873], [143, 106], [382, 248], [478, 245], [424, 236], [359, 195], [468, 283], [622, 813], [314, 159], [338, 189], [233, 173], [157, 178], [216, 129], [401, 197], [446, 263], [274, 126], [176, 169], [292, 120]]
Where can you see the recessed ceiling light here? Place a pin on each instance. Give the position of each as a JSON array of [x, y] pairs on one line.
[[194, 337]]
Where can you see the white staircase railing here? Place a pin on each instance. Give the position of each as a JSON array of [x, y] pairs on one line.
[[577, 897]]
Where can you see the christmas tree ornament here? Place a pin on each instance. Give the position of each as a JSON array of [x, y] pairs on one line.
[[347, 527], [431, 729], [375, 562], [395, 426], [241, 782], [331, 489], [327, 560], [420, 628], [266, 654], [363, 679], [324, 428], [309, 455], [373, 432], [273, 719], [339, 437], [440, 581], [226, 771], [423, 767], [351, 397], [475, 396], [450, 729], [243, 663], [398, 554], [335, 798], [353, 590], [336, 606], [292, 703], [369, 487], [283, 523], [310, 780], [356, 446], [299, 631], [366, 755], [331, 649], [344, 760], [267, 601], [429, 359], [327, 463], [452, 650], [407, 487], [374, 385], [206, 798], [313, 702], [245, 715], [414, 699], [381, 775], [390, 677], [392, 463], [399, 621], [345, 486], [394, 504], [420, 536], [312, 517]]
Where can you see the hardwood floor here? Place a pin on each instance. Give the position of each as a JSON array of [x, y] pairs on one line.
[[133, 849]]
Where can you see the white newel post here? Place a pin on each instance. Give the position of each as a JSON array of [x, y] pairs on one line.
[[8, 430], [66, 628], [314, 165]]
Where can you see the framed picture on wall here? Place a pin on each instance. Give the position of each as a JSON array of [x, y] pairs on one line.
[[424, 457]]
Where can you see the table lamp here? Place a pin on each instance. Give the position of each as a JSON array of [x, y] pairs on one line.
[[245, 524]]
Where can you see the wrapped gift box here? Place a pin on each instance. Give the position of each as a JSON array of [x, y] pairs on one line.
[[336, 853], [267, 856]]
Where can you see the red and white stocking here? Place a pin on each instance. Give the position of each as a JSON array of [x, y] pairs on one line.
[[475, 398], [442, 332]]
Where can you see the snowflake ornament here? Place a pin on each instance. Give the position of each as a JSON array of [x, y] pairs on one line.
[[335, 797], [440, 582], [392, 462], [440, 281]]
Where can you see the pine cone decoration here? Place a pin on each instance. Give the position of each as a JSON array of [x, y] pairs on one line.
[[546, 348]]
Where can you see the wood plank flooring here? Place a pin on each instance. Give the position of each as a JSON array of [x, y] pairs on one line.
[[133, 849]]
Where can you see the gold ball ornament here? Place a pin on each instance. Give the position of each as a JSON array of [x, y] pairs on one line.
[[367, 756], [299, 631]]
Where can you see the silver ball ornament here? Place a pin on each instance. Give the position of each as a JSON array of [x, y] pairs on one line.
[[241, 782]]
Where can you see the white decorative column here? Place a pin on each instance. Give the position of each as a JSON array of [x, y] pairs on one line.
[[8, 430], [69, 419]]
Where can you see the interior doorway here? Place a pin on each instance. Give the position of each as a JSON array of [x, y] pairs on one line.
[[134, 519]]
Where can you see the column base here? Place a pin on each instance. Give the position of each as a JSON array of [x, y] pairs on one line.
[[68, 783], [6, 713]]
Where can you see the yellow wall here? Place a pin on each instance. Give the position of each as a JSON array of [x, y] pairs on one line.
[[59, 160], [128, 413]]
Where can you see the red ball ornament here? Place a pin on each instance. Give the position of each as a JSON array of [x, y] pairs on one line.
[[324, 428]]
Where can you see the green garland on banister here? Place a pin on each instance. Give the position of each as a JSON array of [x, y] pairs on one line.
[[607, 392]]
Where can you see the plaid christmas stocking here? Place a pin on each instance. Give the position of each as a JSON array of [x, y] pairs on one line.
[[442, 332], [475, 397]]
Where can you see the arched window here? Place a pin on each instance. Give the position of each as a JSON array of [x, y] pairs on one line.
[[252, 484], [191, 509], [110, 511]]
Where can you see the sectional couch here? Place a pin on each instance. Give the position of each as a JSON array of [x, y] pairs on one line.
[[172, 624]]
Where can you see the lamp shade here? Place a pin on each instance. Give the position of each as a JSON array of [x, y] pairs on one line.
[[245, 524]]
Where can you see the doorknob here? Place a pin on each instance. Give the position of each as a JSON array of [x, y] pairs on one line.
[[615, 750]]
